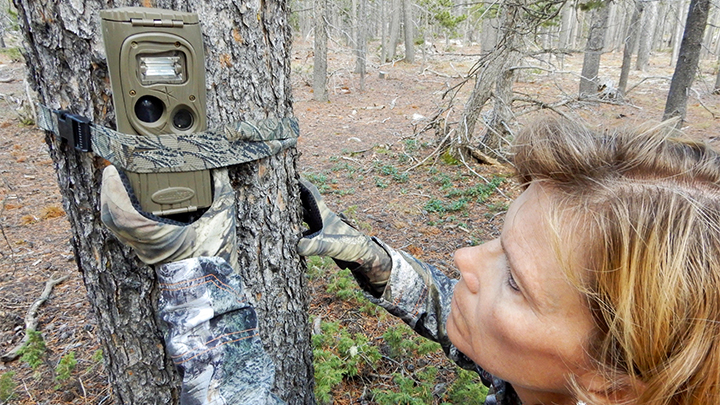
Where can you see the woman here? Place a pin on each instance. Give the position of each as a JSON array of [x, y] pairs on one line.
[[604, 287]]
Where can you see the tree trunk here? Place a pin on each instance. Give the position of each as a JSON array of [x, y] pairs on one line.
[[716, 88], [493, 72], [662, 13], [646, 36], [320, 92], [566, 21], [489, 34], [630, 41], [394, 28], [594, 49], [710, 33], [409, 31], [248, 69], [383, 32], [688, 58], [360, 61], [681, 15]]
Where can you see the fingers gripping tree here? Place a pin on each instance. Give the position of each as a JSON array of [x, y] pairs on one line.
[[247, 46]]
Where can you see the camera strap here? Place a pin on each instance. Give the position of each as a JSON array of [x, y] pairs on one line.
[[232, 144]]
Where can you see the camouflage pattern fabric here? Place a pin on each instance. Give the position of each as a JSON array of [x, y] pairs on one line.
[[233, 144], [211, 328], [212, 334], [157, 241], [420, 295], [330, 235]]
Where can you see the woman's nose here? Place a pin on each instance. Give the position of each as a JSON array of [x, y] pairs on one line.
[[474, 261], [467, 260]]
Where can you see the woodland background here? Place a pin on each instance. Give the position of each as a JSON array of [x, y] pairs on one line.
[[387, 148]]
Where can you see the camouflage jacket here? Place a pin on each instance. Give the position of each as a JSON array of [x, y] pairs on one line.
[[212, 329], [212, 334], [420, 295]]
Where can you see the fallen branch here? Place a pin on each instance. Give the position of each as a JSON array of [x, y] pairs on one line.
[[697, 95], [31, 319], [643, 79]]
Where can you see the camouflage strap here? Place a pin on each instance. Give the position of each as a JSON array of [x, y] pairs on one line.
[[233, 144]]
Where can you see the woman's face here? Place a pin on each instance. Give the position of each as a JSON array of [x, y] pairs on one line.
[[513, 311]]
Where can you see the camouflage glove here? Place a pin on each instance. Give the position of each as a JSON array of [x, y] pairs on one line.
[[212, 335], [157, 240], [330, 235]]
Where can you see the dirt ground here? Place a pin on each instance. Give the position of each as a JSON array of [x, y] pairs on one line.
[[359, 148]]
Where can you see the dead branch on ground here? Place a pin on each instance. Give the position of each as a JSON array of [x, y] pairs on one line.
[[31, 319]]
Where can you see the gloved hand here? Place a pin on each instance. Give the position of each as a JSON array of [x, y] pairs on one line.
[[157, 242], [212, 332], [330, 235]]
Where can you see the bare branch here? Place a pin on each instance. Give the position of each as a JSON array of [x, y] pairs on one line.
[[31, 320]]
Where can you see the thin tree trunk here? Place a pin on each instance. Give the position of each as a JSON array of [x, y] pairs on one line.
[[630, 41], [394, 28], [383, 31], [710, 33], [657, 43], [565, 27], [409, 31], [681, 15], [688, 58], [67, 67], [594, 50], [320, 92], [646, 37], [360, 61]]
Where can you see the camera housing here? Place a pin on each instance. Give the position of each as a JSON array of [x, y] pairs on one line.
[[157, 73]]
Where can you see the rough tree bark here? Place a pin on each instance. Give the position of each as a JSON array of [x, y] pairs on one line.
[[247, 49], [320, 92], [594, 49], [630, 41], [492, 72], [688, 58]]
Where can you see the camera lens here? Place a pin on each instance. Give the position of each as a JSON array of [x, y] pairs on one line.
[[149, 109], [183, 119]]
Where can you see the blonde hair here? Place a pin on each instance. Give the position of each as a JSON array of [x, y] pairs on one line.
[[649, 204]]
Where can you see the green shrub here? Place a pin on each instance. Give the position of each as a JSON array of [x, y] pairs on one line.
[[33, 350], [404, 342], [7, 386], [338, 354], [65, 367], [467, 389]]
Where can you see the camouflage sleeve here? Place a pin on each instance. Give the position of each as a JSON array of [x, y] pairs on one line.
[[212, 334], [420, 295]]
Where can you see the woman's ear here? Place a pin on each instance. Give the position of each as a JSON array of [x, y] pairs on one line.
[[622, 389]]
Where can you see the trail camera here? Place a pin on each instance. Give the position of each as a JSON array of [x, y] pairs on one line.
[[157, 73]]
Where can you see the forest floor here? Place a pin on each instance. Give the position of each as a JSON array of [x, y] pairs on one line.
[[363, 151]]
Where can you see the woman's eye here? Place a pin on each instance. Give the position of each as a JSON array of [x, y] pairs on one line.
[[511, 281]]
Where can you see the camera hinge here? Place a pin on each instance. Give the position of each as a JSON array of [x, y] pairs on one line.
[[145, 22]]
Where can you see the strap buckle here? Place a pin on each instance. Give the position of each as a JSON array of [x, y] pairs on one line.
[[75, 129]]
